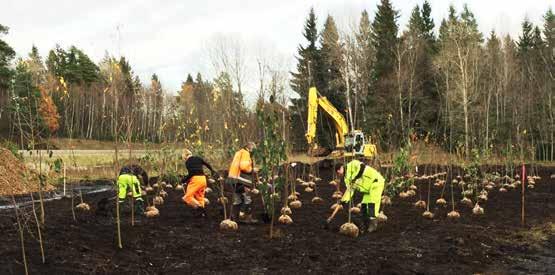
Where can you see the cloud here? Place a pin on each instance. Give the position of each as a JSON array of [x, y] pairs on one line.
[[169, 37]]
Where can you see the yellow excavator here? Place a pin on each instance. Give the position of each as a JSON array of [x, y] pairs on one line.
[[349, 143]]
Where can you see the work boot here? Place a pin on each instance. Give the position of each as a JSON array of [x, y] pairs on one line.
[[373, 225]]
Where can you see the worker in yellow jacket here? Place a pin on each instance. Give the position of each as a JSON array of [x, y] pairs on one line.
[[128, 180], [240, 176], [367, 181]]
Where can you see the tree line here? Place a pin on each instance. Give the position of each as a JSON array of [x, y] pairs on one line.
[[460, 89], [451, 85]]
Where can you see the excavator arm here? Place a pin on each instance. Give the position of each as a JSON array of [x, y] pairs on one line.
[[339, 121]]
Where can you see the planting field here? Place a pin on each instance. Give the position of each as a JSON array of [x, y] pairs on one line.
[[177, 242]]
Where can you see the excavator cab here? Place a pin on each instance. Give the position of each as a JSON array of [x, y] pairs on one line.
[[356, 145]]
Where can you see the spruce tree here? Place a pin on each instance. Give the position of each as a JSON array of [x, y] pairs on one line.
[[428, 25], [308, 74], [334, 89], [308, 60], [332, 64], [189, 79], [385, 38]]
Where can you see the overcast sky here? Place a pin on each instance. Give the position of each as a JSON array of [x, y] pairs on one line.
[[169, 37]]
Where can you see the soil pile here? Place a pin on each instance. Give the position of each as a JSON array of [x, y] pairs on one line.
[[15, 177]]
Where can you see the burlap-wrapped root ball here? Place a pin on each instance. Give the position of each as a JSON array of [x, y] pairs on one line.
[[428, 215], [285, 219], [228, 225], [295, 204], [152, 212], [286, 210], [453, 215], [317, 200], [83, 207], [349, 229]]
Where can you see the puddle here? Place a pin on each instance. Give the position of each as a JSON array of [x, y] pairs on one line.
[[25, 201]]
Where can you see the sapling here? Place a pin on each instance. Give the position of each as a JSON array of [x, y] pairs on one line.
[[21, 238], [427, 214], [38, 229], [453, 214], [226, 224]]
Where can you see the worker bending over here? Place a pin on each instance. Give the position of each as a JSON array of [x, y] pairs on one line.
[[240, 176], [127, 179], [195, 181], [370, 183]]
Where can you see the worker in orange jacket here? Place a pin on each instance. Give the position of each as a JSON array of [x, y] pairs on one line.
[[195, 181], [240, 176]]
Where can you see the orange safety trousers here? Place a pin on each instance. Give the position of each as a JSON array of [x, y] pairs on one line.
[[195, 191]]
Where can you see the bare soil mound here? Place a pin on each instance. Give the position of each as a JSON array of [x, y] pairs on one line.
[[15, 177]]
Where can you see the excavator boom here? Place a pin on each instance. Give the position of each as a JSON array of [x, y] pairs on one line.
[[339, 121]]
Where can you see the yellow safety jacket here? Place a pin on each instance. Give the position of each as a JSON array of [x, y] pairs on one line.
[[370, 184]]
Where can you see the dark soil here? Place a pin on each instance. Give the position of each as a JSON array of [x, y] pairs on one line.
[[178, 242]]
